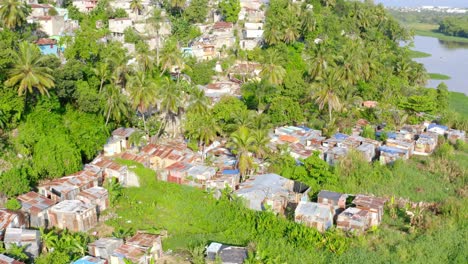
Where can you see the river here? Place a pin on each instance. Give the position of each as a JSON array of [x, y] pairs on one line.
[[448, 57], [415, 3]]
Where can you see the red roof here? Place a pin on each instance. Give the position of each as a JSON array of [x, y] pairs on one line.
[[222, 25], [288, 138]]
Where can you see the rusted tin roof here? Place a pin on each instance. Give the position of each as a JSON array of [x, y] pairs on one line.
[[33, 202]]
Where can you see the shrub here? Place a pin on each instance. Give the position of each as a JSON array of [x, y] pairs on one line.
[[13, 204]]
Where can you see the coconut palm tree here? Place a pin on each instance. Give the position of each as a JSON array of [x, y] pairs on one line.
[[154, 24], [260, 141], [291, 28], [13, 13], [171, 102], [318, 63], [202, 127], [27, 72], [272, 34], [143, 93], [171, 57], [103, 73], [49, 239], [116, 104], [198, 102], [328, 93], [272, 70], [241, 142], [136, 6]]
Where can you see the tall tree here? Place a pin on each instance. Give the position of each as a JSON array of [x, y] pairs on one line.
[[171, 57], [143, 93], [136, 6], [154, 23], [13, 13], [198, 102], [171, 102], [241, 143], [27, 72], [272, 70], [116, 104], [230, 10], [103, 73], [328, 93]]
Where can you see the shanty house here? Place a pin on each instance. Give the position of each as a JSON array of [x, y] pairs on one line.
[[407, 145], [31, 239], [117, 27], [66, 188], [48, 46], [453, 135], [119, 140], [11, 219], [353, 220], [389, 154], [139, 249], [368, 151], [334, 155], [35, 205], [226, 253], [201, 173], [103, 247], [97, 196], [266, 191], [7, 260], [334, 199], [439, 129], [315, 215], [227, 178], [424, 145], [112, 169], [73, 215], [90, 260], [374, 205]]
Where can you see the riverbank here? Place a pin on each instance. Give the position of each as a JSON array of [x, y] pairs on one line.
[[415, 54], [430, 30], [439, 76]]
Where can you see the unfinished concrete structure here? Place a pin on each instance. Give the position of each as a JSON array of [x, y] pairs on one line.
[[73, 215]]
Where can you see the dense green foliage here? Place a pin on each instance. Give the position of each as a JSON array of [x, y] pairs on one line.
[[454, 26]]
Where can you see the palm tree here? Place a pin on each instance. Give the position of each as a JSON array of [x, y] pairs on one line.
[[114, 188], [3, 119], [204, 128], [318, 64], [116, 104], [308, 23], [13, 13], [49, 239], [136, 6], [272, 70], [143, 93], [171, 101], [27, 71], [241, 143], [154, 23], [260, 141], [291, 28], [171, 57], [328, 93], [178, 4], [103, 73], [198, 102], [272, 34]]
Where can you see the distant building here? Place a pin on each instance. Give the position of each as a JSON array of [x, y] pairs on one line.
[[48, 46]]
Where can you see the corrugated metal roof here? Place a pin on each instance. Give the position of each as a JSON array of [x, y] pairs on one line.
[[143, 240], [20, 235], [71, 206], [6, 217], [33, 202]]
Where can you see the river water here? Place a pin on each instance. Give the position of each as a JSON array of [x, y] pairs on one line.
[[448, 57], [415, 3]]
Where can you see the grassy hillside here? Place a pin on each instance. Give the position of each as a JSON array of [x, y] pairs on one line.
[[459, 103]]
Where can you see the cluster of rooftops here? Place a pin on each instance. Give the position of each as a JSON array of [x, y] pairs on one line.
[[76, 201]]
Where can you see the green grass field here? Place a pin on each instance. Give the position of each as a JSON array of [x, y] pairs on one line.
[[438, 76], [459, 103], [430, 30], [414, 54]]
